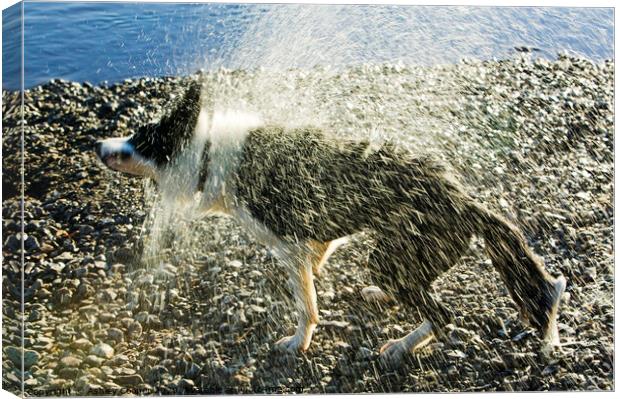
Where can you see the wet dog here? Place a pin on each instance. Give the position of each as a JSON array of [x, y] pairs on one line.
[[299, 192]]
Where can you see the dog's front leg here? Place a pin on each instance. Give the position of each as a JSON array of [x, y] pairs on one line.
[[301, 278]]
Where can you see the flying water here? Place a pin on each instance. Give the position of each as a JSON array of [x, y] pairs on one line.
[[503, 96], [373, 72]]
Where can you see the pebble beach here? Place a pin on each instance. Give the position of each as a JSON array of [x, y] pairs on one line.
[[530, 138]]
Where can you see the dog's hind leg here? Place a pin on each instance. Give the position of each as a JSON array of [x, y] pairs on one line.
[[393, 352], [321, 251], [435, 316], [406, 269], [374, 294], [299, 261]]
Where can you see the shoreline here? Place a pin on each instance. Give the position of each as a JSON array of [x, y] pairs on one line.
[[529, 52]]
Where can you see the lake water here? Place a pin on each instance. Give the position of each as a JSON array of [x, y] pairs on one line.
[[98, 42]]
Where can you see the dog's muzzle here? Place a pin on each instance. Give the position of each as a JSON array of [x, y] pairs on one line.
[[114, 152], [120, 155]]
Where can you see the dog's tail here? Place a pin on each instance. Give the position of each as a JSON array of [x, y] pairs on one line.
[[536, 293]]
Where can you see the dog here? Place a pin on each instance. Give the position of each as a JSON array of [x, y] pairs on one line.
[[301, 193]]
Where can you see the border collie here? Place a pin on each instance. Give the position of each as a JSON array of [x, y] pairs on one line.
[[301, 193]]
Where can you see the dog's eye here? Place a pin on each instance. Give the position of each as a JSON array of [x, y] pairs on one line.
[[124, 155]]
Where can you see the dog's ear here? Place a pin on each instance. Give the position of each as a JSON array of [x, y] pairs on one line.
[[192, 97], [162, 141], [185, 112], [178, 126]]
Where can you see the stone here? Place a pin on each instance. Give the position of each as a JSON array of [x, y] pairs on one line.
[[82, 344], [129, 380], [93, 360], [102, 350], [116, 335], [69, 373], [70, 361], [14, 354]]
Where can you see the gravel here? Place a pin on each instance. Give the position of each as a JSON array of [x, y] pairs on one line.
[[532, 139]]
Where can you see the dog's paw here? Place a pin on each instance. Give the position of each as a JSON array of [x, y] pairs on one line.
[[374, 294], [393, 353], [291, 344]]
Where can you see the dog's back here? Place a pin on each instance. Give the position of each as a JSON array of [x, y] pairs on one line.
[[301, 183]]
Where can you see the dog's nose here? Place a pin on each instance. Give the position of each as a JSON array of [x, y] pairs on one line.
[[98, 146]]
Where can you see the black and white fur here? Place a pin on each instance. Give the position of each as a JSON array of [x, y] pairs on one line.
[[301, 193]]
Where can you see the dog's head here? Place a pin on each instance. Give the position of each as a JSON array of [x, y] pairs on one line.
[[154, 146]]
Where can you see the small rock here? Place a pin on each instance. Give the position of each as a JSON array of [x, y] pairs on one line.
[[59, 383], [134, 330], [85, 229], [70, 361], [452, 371], [15, 355], [64, 257], [31, 244], [116, 335], [13, 242], [69, 373], [82, 344], [156, 372], [364, 353], [93, 360], [186, 385], [590, 274], [456, 354], [106, 317], [125, 371], [110, 386], [129, 380], [108, 295], [31, 383], [193, 371], [160, 352], [102, 350], [84, 291]]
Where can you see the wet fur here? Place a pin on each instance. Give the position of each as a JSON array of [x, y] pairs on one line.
[[304, 186]]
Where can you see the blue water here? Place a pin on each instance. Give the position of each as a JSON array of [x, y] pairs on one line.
[[98, 42]]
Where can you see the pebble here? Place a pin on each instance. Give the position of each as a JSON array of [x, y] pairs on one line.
[[14, 354], [132, 380], [69, 373], [70, 361], [116, 335], [102, 350], [82, 344], [93, 360]]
